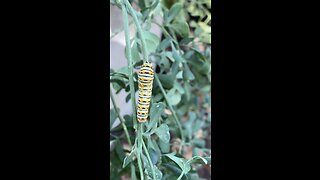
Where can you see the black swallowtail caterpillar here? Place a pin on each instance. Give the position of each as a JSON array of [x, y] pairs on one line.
[[145, 80]]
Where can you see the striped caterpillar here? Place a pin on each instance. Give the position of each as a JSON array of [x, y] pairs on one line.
[[145, 80]]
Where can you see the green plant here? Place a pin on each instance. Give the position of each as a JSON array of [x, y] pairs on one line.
[[172, 145]]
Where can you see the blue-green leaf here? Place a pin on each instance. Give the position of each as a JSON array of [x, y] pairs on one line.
[[173, 12], [174, 97], [198, 160], [128, 159], [155, 113], [163, 133], [113, 117], [181, 28]]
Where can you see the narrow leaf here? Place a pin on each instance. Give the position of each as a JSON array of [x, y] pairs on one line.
[[173, 12]]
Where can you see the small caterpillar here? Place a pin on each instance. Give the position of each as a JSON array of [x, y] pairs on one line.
[[145, 80]]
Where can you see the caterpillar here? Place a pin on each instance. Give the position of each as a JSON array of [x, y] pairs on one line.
[[145, 80]]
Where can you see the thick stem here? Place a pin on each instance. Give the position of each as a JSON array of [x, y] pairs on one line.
[[130, 65], [140, 149], [139, 29]]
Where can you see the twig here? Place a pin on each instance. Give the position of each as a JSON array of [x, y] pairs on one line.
[[120, 117], [130, 65], [136, 21]]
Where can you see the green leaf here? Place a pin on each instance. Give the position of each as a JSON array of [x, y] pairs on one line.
[[206, 28], [155, 4], [128, 159], [134, 51], [154, 156], [187, 74], [127, 89], [167, 80], [208, 159], [124, 70], [186, 40], [206, 38], [176, 55], [174, 169], [146, 165], [182, 163], [128, 97], [119, 150], [181, 28], [151, 46], [189, 125], [118, 75], [112, 145], [158, 97], [153, 144], [138, 64], [179, 87], [164, 44], [113, 117], [164, 147], [128, 120], [174, 97], [197, 160], [199, 54], [169, 55], [120, 82], [179, 75], [206, 88], [164, 62], [152, 41], [155, 113], [163, 133], [173, 12], [187, 89], [158, 173], [198, 143], [179, 161]]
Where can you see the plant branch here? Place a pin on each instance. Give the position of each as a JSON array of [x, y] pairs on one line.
[[139, 144], [130, 65], [149, 159], [120, 117], [139, 29]]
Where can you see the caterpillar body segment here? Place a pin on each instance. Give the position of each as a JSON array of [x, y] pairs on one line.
[[145, 80]]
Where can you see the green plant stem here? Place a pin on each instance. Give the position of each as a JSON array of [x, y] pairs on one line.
[[133, 172], [171, 109], [139, 30], [131, 83], [181, 175], [149, 159], [120, 117], [130, 65], [146, 3], [139, 144]]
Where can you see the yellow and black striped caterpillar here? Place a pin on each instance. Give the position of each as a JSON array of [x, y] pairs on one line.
[[145, 80]]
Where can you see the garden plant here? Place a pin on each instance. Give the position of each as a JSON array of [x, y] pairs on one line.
[[175, 141]]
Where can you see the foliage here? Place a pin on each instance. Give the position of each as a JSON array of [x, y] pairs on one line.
[[174, 143]]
